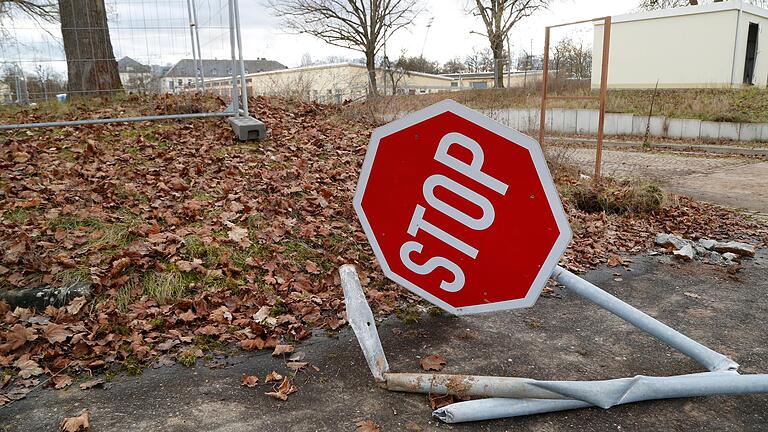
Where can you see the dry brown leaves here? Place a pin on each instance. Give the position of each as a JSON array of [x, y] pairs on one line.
[[248, 236], [434, 362], [75, 424], [366, 426], [283, 390]]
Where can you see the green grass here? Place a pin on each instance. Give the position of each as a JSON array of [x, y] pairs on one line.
[[749, 104], [72, 275], [16, 216], [187, 359], [166, 286]]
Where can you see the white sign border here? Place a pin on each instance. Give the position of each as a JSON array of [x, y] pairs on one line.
[[545, 178]]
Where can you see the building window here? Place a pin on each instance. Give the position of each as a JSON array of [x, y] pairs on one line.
[[479, 85], [454, 84]]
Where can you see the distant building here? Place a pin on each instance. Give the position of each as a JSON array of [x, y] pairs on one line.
[[335, 83], [182, 75], [712, 45], [133, 75], [485, 80], [6, 96]]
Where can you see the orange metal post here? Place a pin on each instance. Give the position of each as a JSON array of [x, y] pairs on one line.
[[603, 95], [544, 83]]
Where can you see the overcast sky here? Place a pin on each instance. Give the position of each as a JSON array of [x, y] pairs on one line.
[[157, 32], [448, 37]]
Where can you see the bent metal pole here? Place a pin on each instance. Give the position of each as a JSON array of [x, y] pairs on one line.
[[708, 358], [606, 394]]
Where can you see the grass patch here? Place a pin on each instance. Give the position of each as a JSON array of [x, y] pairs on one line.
[[187, 359], [73, 222], [72, 275], [166, 286], [196, 248], [16, 216], [133, 366], [627, 198], [409, 314]]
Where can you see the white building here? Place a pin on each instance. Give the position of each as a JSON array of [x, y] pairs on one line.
[[334, 83], [6, 96], [133, 75], [714, 45], [182, 75]]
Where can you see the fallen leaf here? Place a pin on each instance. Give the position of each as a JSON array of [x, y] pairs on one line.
[[285, 389], [238, 235], [249, 380], [91, 384], [187, 316], [366, 426], [252, 344], [75, 305], [61, 381], [28, 368], [273, 377], [433, 363], [311, 267], [282, 349], [615, 260], [75, 424], [16, 338], [56, 332], [296, 365]]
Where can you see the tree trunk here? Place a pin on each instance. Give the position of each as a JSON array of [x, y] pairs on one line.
[[91, 66], [370, 64], [498, 63]]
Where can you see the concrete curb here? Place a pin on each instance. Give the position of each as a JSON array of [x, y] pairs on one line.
[[718, 149]]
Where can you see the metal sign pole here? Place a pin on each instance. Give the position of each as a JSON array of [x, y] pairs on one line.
[[511, 396]]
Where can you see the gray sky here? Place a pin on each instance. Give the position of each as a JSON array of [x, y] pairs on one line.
[[449, 36], [157, 32]]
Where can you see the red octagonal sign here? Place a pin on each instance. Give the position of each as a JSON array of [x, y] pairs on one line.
[[461, 210]]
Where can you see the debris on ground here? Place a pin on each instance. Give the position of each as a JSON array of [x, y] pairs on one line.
[[725, 253], [78, 423], [190, 242]]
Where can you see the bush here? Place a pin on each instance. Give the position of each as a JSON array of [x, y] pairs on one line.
[[616, 198]]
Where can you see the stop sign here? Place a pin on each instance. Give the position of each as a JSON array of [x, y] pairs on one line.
[[461, 210]]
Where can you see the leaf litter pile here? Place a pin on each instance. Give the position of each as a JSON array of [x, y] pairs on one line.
[[195, 243]]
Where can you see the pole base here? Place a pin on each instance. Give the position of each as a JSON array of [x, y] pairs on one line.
[[248, 128]]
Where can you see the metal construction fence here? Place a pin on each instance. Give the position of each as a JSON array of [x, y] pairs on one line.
[[127, 47]]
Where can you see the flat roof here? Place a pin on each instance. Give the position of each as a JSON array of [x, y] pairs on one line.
[[691, 10], [331, 66]]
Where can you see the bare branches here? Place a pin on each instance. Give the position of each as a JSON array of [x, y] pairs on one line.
[[499, 17], [43, 9], [361, 25]]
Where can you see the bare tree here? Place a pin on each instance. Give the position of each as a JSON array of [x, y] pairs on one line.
[[454, 65], [572, 59], [361, 25], [91, 65], [499, 17], [479, 61]]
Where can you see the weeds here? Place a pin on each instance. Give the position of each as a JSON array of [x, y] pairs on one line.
[[622, 198]]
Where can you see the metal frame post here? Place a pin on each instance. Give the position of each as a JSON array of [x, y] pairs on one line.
[[544, 84], [602, 97], [243, 87], [235, 101], [199, 50], [192, 26]]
